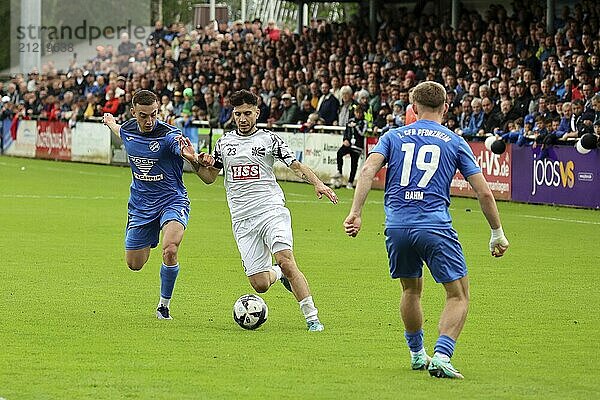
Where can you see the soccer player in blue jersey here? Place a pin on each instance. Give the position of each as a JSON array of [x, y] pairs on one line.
[[158, 199], [422, 158]]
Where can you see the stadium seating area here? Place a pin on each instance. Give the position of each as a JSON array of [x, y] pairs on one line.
[[503, 72]]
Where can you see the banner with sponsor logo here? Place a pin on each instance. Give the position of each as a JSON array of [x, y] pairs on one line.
[[53, 140], [91, 142], [318, 151], [496, 169], [24, 145], [565, 177]]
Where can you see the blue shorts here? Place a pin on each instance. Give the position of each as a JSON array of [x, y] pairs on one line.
[[147, 235], [440, 249]]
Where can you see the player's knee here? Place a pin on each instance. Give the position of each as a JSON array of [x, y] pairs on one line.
[[260, 287], [170, 253], [134, 266]]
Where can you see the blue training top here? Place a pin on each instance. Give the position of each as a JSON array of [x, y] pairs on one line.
[[422, 158], [156, 167]]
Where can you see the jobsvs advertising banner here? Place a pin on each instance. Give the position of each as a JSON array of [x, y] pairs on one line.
[[565, 177]]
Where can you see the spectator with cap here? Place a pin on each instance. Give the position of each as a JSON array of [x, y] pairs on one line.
[[120, 86], [188, 101], [521, 104], [290, 111], [526, 134]]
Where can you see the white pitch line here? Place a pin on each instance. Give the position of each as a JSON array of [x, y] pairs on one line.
[[560, 219], [315, 201]]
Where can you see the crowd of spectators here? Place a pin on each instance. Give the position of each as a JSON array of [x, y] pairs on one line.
[[504, 73]]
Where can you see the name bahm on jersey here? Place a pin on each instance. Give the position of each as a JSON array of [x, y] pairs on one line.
[[422, 159], [156, 168], [247, 163]]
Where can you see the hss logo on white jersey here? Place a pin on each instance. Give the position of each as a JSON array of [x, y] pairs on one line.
[[243, 172]]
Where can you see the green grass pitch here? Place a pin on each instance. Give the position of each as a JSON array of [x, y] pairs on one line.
[[75, 323]]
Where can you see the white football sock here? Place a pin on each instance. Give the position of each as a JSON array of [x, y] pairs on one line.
[[278, 272], [308, 309], [164, 302], [414, 353]]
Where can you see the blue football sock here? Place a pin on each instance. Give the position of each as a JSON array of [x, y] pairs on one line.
[[168, 275], [414, 340], [445, 345]]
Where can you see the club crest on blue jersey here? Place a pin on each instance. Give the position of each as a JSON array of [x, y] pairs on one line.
[[154, 146], [144, 166]]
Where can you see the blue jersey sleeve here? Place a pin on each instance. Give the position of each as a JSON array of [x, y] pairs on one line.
[[383, 145], [173, 143], [466, 163]]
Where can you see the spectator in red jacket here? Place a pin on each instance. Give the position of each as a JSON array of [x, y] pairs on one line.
[[112, 103]]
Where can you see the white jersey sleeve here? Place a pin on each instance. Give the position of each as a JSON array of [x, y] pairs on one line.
[[281, 151]]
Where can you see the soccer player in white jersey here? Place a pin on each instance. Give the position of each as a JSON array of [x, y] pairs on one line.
[[261, 223], [422, 158]]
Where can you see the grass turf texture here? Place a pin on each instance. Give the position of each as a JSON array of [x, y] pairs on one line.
[[76, 323]]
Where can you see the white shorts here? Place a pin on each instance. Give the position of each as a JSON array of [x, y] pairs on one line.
[[259, 237]]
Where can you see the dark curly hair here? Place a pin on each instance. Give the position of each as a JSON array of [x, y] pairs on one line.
[[243, 97]]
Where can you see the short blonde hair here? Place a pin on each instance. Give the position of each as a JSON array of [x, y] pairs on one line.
[[429, 94]]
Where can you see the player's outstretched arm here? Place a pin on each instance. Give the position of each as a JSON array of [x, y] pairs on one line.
[[202, 163], [353, 221], [308, 175], [498, 242], [109, 120]]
